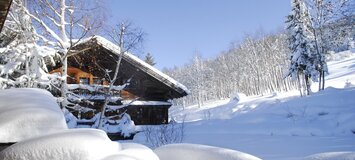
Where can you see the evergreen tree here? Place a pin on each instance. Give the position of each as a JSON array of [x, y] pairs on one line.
[[303, 55], [149, 59]]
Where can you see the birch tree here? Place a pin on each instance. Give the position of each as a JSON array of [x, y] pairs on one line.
[[127, 38], [61, 24]]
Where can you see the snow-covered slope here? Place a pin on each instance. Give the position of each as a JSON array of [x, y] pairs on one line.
[[281, 125], [328, 112]]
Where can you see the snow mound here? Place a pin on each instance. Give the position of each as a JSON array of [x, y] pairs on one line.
[[134, 151], [27, 113], [198, 152], [332, 156], [88, 144], [238, 97], [119, 157]]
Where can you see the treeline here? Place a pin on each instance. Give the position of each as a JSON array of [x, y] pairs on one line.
[[256, 66]]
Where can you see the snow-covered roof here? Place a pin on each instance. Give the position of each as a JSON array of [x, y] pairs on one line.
[[27, 113], [140, 64]]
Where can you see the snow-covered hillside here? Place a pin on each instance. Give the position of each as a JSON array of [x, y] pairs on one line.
[[329, 112], [281, 125]]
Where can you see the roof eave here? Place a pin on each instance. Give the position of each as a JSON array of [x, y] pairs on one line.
[[4, 10]]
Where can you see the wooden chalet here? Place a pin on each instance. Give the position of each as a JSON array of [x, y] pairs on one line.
[[148, 92], [4, 9]]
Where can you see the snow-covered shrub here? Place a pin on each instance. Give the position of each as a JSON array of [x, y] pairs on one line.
[[236, 97], [348, 84], [124, 125], [199, 152], [22, 61]]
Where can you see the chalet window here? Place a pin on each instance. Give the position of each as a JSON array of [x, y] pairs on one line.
[[97, 81], [84, 80]]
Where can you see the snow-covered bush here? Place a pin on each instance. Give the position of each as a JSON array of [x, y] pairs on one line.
[[348, 84], [156, 136], [236, 97], [199, 152], [22, 61]]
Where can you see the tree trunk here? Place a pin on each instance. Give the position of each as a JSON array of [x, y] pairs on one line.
[[64, 81], [308, 84], [28, 72], [299, 84], [113, 80], [323, 79], [320, 81]]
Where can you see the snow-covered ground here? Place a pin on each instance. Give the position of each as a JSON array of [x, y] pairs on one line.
[[281, 125]]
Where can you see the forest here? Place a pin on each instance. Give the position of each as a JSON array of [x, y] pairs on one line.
[[259, 64]]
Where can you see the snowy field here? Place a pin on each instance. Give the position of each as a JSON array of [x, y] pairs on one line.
[[281, 126]]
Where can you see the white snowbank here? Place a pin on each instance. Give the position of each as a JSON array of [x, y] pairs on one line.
[[199, 152], [133, 151], [332, 156], [26, 113], [80, 144], [147, 103], [76, 144]]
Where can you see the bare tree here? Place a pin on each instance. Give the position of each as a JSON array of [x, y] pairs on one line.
[[62, 24], [126, 38], [254, 66], [156, 136]]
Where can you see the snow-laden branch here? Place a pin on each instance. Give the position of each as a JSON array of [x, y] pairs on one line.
[[63, 8], [47, 28], [52, 8], [54, 21]]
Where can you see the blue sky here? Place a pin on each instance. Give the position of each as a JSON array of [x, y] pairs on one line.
[[176, 29]]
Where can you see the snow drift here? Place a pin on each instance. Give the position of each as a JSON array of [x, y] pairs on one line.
[[88, 144], [78, 144], [332, 156], [26, 113], [198, 152], [133, 151]]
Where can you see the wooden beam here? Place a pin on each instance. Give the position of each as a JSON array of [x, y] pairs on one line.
[[4, 10]]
